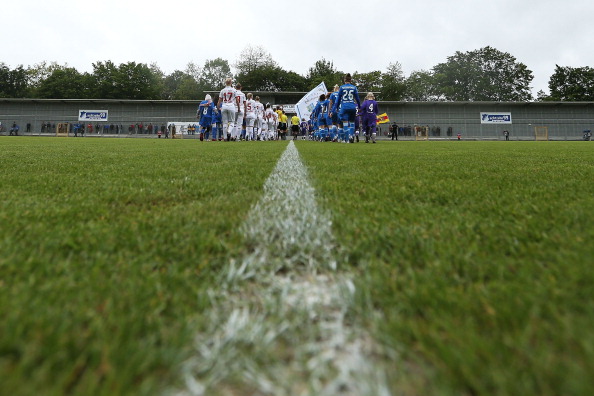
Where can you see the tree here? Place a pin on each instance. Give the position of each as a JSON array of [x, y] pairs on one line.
[[252, 58], [137, 81], [213, 74], [541, 96], [104, 80], [159, 79], [484, 74], [64, 83], [393, 83], [368, 82], [128, 81], [179, 86], [420, 86], [41, 71], [325, 71], [572, 84], [13, 83], [272, 78]]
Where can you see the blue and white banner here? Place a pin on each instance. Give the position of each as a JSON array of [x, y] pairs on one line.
[[93, 115], [496, 118], [305, 106]]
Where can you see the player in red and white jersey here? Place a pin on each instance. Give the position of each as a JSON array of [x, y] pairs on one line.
[[250, 116], [262, 133], [240, 97], [259, 124], [272, 121], [228, 106]]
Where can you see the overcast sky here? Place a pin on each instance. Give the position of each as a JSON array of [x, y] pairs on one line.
[[361, 36]]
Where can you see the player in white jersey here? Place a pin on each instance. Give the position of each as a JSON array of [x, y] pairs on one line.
[[263, 130], [250, 117], [240, 97], [228, 106], [259, 110], [272, 121]]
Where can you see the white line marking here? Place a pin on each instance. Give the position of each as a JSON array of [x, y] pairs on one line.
[[280, 321]]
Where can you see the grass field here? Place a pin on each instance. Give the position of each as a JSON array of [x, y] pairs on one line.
[[473, 260]]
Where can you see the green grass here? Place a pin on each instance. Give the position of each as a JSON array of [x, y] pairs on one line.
[[477, 256], [106, 245]]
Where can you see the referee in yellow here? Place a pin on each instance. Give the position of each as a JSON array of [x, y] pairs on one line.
[[295, 121]]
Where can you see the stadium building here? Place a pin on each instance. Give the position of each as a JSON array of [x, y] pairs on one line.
[[416, 120]]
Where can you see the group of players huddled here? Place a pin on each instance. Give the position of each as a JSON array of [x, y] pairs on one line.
[[226, 117], [337, 116]]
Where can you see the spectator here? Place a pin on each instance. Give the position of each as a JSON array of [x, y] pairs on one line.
[[14, 129], [394, 130]]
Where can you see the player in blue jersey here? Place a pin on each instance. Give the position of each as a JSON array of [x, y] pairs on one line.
[[336, 129], [315, 116], [321, 111], [205, 110], [346, 105]]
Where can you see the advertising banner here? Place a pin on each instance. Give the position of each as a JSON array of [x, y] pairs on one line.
[[496, 118], [93, 115]]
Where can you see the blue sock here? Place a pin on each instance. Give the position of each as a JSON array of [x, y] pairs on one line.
[[347, 130]]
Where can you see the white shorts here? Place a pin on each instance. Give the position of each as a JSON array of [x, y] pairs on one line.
[[228, 115], [238, 119]]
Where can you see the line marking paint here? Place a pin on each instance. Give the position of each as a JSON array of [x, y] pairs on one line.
[[280, 322]]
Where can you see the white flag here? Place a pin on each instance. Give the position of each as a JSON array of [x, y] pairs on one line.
[[306, 105]]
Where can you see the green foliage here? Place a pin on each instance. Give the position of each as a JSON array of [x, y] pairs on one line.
[[41, 71], [572, 83], [213, 74], [325, 71], [257, 71], [486, 74], [273, 79], [13, 82], [253, 58], [179, 85], [126, 81], [421, 86], [393, 83], [64, 83], [368, 82]]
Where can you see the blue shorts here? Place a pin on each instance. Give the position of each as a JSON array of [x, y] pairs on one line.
[[335, 119], [322, 120], [205, 121], [348, 114]]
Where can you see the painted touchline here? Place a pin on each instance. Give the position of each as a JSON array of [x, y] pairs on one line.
[[279, 323]]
